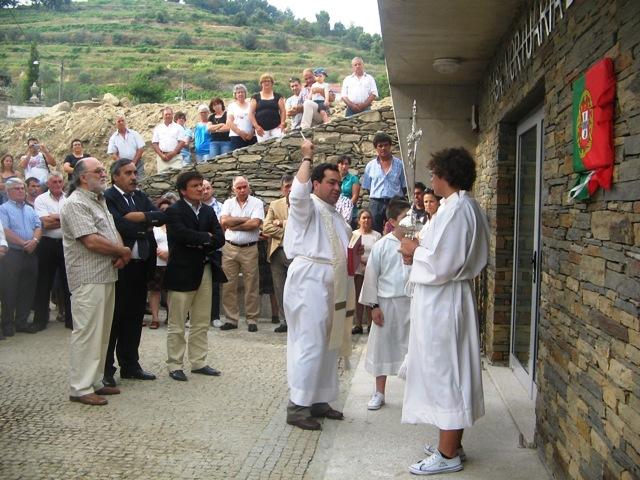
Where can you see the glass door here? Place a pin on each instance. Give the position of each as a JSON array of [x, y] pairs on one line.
[[526, 255]]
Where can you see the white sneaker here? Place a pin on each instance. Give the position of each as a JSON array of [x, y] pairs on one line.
[[432, 449], [377, 401], [217, 323], [435, 464]]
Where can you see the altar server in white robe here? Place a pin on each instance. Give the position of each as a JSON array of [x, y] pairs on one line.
[[383, 289], [315, 294], [444, 379]]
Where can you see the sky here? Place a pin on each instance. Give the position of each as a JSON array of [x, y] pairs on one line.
[[363, 13]]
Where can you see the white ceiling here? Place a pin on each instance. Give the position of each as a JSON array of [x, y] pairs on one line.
[[415, 32]]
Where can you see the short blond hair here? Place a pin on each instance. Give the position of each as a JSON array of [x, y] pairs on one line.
[[266, 76]]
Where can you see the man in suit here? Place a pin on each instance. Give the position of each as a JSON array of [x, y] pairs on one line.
[[194, 235], [134, 216], [274, 225]]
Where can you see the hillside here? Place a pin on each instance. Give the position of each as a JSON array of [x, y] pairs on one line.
[[116, 45]]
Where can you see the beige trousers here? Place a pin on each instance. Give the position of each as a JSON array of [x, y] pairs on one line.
[[310, 115], [198, 302], [175, 162], [245, 260], [92, 310]]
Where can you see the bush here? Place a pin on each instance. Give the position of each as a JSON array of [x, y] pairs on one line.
[[248, 40], [382, 82], [161, 17], [280, 42], [183, 40], [145, 90]]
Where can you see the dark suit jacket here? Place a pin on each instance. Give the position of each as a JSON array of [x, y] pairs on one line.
[[191, 246], [136, 231]]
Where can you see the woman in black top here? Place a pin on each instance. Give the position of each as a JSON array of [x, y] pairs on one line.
[[218, 128], [77, 153], [267, 113]]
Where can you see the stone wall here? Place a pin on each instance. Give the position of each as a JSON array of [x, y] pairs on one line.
[[265, 163], [588, 364]]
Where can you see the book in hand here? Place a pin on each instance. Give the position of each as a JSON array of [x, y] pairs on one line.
[[353, 257]]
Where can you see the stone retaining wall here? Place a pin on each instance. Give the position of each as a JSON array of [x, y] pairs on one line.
[[265, 163]]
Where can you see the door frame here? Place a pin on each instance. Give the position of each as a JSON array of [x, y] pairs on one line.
[[527, 379]]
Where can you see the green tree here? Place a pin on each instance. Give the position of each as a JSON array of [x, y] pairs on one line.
[[323, 27], [145, 90], [183, 40], [280, 42], [248, 40], [33, 71]]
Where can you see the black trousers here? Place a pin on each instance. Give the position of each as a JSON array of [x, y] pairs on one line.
[[50, 260], [126, 329], [378, 207], [215, 297], [19, 277]]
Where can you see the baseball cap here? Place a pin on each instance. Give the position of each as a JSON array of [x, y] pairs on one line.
[[319, 71]]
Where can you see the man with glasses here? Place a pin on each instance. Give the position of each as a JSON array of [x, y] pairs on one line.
[[384, 178], [93, 252], [20, 265]]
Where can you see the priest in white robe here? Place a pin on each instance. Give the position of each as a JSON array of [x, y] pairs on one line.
[[315, 294], [444, 378]]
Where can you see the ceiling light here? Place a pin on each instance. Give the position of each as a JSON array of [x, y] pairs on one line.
[[446, 65]]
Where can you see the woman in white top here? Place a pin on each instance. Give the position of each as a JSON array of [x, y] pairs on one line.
[[241, 132], [155, 284], [431, 204], [36, 161], [369, 236]]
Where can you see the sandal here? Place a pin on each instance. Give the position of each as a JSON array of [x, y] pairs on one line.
[[154, 325]]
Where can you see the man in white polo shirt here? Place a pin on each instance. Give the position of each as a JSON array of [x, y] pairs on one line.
[[168, 139], [241, 217], [359, 89], [50, 252], [127, 143]]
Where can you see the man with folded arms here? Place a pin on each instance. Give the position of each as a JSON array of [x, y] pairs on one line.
[[93, 253], [241, 217]]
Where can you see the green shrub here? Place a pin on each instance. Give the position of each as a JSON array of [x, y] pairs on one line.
[[183, 40], [145, 90], [248, 40], [280, 42]]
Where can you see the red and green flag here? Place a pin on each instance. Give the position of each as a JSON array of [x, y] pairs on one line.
[[593, 108]]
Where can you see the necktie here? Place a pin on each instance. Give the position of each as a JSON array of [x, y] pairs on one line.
[[129, 198], [143, 243]]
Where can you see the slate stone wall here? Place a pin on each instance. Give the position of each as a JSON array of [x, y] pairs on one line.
[[588, 364]]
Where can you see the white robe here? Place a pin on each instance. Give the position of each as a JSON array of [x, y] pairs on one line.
[[384, 283], [312, 368], [444, 378]]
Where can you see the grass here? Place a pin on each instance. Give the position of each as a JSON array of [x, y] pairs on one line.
[[84, 38]]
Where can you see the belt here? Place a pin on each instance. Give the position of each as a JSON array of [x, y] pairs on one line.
[[242, 245], [385, 200]]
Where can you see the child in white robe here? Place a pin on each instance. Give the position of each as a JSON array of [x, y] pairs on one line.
[[383, 288]]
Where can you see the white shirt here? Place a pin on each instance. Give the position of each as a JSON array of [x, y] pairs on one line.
[[46, 204], [357, 89], [294, 101], [385, 275], [37, 167], [125, 146], [240, 118], [160, 233], [253, 208], [168, 136]]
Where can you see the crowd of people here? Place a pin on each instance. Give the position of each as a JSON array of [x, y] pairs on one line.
[[106, 254]]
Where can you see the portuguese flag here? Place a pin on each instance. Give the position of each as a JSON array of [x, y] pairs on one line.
[[593, 109]]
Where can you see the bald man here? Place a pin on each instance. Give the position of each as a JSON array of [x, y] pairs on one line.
[[241, 217]]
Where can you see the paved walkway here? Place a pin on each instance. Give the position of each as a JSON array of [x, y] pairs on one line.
[[231, 427]]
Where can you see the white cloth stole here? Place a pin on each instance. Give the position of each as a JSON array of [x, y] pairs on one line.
[[343, 296]]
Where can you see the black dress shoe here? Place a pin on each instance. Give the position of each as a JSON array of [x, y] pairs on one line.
[[178, 375], [138, 375], [281, 329], [331, 414], [228, 326], [207, 370], [275, 319], [28, 328], [253, 327], [356, 330], [305, 424], [109, 381]]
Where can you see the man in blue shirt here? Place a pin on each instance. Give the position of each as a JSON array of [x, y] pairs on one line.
[[22, 229], [384, 178]]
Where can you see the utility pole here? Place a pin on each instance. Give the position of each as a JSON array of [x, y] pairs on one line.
[[61, 80]]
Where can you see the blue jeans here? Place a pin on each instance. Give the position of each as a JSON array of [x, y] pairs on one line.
[[378, 207], [350, 112], [218, 148], [202, 158]]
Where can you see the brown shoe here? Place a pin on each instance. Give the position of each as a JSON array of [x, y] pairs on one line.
[[305, 424], [108, 391], [89, 399], [331, 414]]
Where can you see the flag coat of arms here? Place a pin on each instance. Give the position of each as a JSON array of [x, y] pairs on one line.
[[593, 110]]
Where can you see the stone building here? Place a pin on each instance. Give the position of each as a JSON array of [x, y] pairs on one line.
[[559, 299]]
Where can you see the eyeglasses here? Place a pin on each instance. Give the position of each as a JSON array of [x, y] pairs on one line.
[[99, 171]]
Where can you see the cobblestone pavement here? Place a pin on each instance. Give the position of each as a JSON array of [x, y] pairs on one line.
[[229, 427]]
